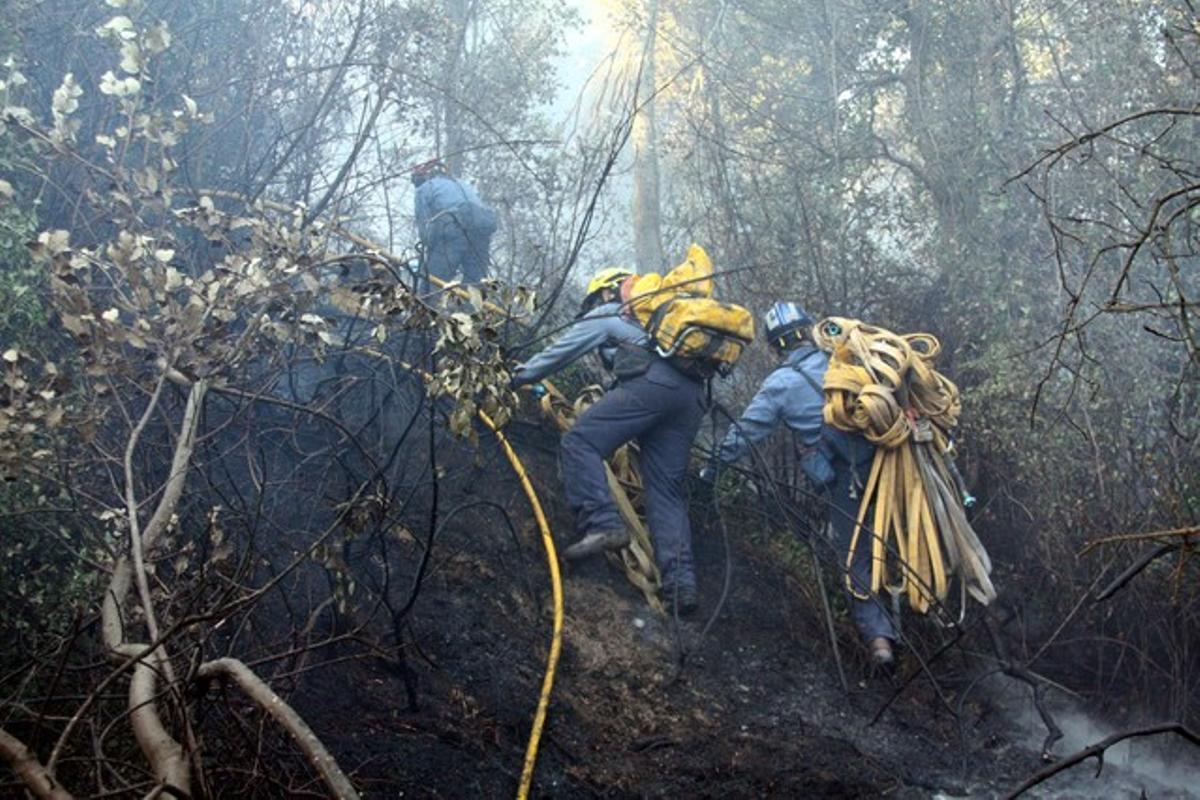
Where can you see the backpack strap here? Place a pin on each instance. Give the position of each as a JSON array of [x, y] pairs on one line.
[[811, 382], [656, 318], [809, 378]]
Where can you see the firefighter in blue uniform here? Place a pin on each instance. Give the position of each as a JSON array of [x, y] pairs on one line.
[[832, 459], [454, 225], [654, 404]]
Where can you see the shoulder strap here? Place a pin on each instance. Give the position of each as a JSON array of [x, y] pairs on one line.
[[656, 317], [811, 381]]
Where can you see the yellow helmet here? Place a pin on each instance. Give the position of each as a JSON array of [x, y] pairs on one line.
[[607, 278]]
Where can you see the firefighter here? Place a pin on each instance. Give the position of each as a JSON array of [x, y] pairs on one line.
[[654, 404], [832, 459], [454, 225]]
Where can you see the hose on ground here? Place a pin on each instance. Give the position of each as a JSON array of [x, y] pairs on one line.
[[539, 718]]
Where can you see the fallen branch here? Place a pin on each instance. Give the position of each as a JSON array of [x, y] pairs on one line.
[[1097, 751], [1137, 537], [262, 694], [33, 774]]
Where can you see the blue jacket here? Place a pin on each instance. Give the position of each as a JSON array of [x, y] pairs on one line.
[[602, 328], [439, 195], [785, 396], [792, 395]]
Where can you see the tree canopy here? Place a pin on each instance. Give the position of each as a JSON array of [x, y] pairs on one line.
[[234, 421]]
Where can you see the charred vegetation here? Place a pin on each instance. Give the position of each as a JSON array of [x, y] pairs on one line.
[[258, 534]]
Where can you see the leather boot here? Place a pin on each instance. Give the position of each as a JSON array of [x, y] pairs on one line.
[[597, 542]]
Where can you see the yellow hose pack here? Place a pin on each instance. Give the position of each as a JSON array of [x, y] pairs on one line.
[[885, 387]]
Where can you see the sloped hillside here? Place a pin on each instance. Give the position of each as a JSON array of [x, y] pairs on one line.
[[643, 705]]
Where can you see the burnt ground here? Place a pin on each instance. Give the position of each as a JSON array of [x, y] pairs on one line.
[[756, 709]]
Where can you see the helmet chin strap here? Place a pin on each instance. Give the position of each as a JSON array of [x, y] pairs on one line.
[[594, 299], [789, 340]]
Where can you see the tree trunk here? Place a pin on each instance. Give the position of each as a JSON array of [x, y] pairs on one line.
[[451, 146], [647, 229]]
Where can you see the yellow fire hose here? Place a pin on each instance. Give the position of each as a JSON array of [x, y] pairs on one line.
[[539, 718]]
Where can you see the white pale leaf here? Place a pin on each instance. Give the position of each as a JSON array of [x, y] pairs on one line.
[[65, 96], [119, 26], [131, 58], [157, 39]]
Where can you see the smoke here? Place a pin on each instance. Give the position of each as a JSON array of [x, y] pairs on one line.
[[1161, 766]]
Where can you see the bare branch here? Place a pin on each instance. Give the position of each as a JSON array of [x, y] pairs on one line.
[[1097, 751], [262, 694]]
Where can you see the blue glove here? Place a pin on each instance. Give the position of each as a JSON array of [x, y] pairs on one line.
[[539, 390], [969, 500], [708, 475]]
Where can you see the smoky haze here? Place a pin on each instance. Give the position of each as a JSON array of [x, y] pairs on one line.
[[275, 520]]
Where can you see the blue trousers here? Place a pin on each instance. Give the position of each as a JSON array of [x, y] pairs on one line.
[[452, 247], [661, 411], [870, 616]]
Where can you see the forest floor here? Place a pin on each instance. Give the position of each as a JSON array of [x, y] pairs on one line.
[[755, 710]]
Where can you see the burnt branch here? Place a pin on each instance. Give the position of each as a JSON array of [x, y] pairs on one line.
[[1097, 751]]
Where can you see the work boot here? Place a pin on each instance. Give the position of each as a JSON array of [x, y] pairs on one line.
[[682, 598], [882, 655], [597, 542]]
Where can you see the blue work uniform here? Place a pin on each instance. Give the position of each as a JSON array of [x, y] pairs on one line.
[[661, 409], [835, 459], [455, 227]]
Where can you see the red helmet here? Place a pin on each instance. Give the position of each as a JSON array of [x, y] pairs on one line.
[[427, 169]]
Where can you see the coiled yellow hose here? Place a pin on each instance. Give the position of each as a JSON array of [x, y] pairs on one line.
[[885, 387]]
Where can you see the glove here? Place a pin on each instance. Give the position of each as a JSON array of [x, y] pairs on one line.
[[708, 475], [538, 390], [969, 500]]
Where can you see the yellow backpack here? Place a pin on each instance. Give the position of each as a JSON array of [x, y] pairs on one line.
[[699, 335]]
